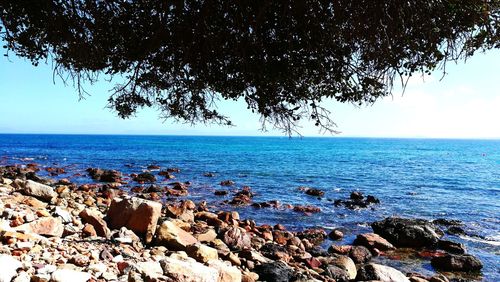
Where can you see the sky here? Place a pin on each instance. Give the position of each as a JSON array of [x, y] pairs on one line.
[[463, 104]]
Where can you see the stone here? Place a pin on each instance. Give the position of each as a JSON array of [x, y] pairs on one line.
[[95, 219], [337, 273], [347, 264], [360, 254], [8, 267], [404, 232], [21, 277], [46, 226], [208, 236], [237, 238], [202, 253], [227, 273], [452, 247], [336, 234], [138, 215], [450, 262], [38, 190], [68, 275], [150, 269], [188, 270], [64, 215], [379, 272], [274, 271], [89, 230], [373, 241], [173, 237]]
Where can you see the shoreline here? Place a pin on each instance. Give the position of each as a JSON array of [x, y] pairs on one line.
[[63, 215]]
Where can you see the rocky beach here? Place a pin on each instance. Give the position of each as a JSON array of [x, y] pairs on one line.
[[53, 229]]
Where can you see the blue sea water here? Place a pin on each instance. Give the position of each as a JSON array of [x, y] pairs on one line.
[[425, 178]]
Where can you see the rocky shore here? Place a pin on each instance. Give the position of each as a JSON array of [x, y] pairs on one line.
[[56, 230]]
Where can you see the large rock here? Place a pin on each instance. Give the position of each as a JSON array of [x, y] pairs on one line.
[[46, 226], [150, 269], [276, 271], [8, 267], [188, 270], [237, 238], [173, 237], [202, 253], [373, 241], [457, 263], [68, 275], [360, 254], [404, 232], [138, 215], [379, 272], [337, 273], [227, 273], [95, 219], [38, 190], [347, 264]]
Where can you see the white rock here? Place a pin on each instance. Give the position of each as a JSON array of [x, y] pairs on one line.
[[68, 275], [22, 277], [151, 269], [188, 270], [64, 215], [227, 273], [388, 274], [38, 190], [8, 267], [47, 269], [98, 267]]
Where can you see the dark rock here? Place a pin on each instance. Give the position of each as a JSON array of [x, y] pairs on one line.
[[208, 174], [274, 272], [221, 193], [452, 247], [451, 262], [447, 222], [153, 166], [357, 201], [403, 232], [227, 183], [336, 234], [153, 189], [360, 254], [455, 230], [356, 196], [372, 200], [174, 169], [273, 251], [314, 235], [315, 192], [337, 273], [105, 175], [145, 177], [317, 251], [307, 209]]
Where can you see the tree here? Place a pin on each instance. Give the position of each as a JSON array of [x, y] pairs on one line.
[[282, 57]]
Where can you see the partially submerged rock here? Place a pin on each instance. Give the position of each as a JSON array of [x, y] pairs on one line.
[[452, 262], [377, 272], [404, 232]]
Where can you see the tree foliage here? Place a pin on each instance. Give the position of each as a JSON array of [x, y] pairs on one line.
[[282, 57]]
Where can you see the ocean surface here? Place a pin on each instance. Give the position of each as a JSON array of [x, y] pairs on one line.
[[424, 178]]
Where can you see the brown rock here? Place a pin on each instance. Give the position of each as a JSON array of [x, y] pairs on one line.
[[373, 241], [360, 254], [95, 219], [237, 238], [173, 237], [202, 253], [138, 215], [89, 230], [46, 226]]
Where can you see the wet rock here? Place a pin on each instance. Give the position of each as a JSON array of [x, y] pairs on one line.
[[456, 230], [452, 262], [202, 253], [237, 238], [38, 190], [138, 215], [379, 272], [145, 177], [153, 167], [95, 219], [188, 270], [357, 201], [336, 235], [104, 175], [314, 192], [307, 209], [46, 226], [221, 193], [242, 197], [173, 237], [313, 235], [447, 222], [356, 196], [227, 273], [8, 267], [274, 272], [403, 232], [209, 174], [360, 254], [337, 273], [227, 183], [68, 275], [373, 241], [452, 247]]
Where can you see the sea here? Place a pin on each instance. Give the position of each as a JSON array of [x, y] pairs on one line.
[[414, 178]]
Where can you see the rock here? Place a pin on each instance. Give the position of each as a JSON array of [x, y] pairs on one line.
[[403, 232], [95, 219], [46, 226], [38, 190], [336, 234], [379, 272], [452, 247], [360, 254], [202, 253], [207, 236], [89, 230], [64, 215], [8, 267], [237, 238], [150, 269], [173, 237], [347, 264], [447, 222], [68, 275], [451, 262], [188, 270], [315, 192], [337, 273], [21, 277], [145, 177], [138, 215], [373, 241], [227, 183], [274, 272], [227, 273], [105, 175]]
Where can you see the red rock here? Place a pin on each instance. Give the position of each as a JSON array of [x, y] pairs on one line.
[[95, 219], [313, 262], [372, 241]]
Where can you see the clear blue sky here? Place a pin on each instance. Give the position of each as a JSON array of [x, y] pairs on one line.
[[465, 104]]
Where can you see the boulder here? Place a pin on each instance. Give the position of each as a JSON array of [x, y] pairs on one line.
[[379, 272], [227, 273], [95, 219], [452, 247], [276, 271], [38, 190], [347, 264], [68, 275], [451, 262], [404, 232], [173, 237], [360, 254], [188, 270], [8, 267], [336, 234], [373, 241], [237, 238], [150, 269], [46, 226], [138, 215], [337, 273], [202, 253]]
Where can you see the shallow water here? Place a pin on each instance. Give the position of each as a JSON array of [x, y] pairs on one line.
[[454, 179]]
